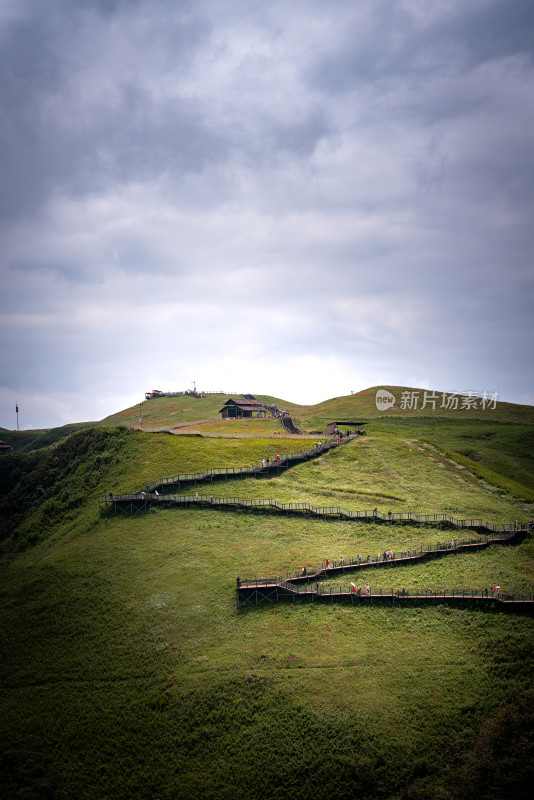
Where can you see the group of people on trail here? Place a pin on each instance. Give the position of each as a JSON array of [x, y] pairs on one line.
[[265, 461], [387, 555], [358, 591], [341, 562], [375, 513]]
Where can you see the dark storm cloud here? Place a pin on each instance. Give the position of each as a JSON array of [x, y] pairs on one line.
[[387, 42], [84, 109], [321, 196], [71, 124]]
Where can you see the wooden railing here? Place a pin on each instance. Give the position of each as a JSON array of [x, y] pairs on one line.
[[329, 512], [335, 569], [225, 472], [276, 592]]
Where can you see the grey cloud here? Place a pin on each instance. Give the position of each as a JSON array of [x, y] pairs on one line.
[[359, 193], [386, 43], [496, 29], [60, 133], [79, 117]]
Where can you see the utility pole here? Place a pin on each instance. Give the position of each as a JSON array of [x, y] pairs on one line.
[[17, 410]]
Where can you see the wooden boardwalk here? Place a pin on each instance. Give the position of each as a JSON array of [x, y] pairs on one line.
[[262, 470], [306, 587], [157, 494], [353, 566], [144, 501], [269, 593]]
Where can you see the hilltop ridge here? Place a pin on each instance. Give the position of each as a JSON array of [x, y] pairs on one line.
[[360, 406]]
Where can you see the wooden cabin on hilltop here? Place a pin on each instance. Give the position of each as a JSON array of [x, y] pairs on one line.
[[242, 408]]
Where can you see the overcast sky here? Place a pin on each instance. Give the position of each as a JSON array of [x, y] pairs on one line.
[[298, 198]]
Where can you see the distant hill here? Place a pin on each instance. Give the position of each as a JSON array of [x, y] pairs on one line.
[[26, 441], [359, 407], [347, 410]]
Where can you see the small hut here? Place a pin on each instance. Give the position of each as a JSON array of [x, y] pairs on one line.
[[242, 408]]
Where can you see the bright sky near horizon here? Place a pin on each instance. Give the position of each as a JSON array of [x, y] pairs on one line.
[[295, 198]]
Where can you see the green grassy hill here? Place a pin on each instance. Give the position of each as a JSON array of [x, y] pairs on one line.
[[26, 441], [128, 671], [361, 406]]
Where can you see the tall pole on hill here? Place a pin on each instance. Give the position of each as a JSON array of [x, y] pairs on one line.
[[17, 410], [140, 417]]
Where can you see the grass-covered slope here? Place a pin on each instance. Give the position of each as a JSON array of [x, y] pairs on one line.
[[356, 407], [393, 474], [26, 441], [362, 405], [50, 492], [127, 670], [505, 448]]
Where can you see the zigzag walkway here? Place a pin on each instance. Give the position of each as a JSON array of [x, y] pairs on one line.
[[387, 560], [305, 586], [264, 468], [143, 501], [274, 593]]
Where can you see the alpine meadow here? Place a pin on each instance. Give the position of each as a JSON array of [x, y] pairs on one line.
[[130, 668]]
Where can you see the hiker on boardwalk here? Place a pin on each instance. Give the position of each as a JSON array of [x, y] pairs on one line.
[[368, 559], [359, 592], [367, 589], [327, 563], [375, 512], [378, 558], [263, 462], [452, 544], [341, 561], [358, 560], [353, 588], [304, 573], [238, 582]]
